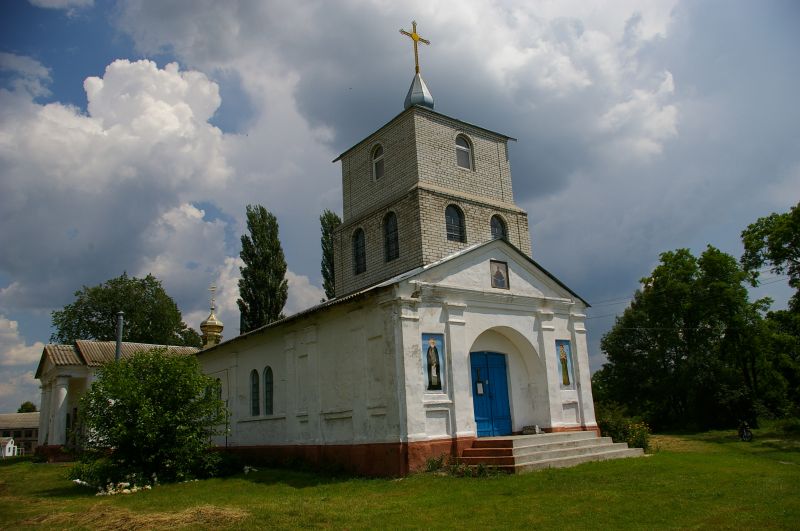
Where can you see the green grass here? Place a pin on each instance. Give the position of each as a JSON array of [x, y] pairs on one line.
[[707, 480]]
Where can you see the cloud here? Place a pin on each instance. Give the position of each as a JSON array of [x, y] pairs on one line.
[[302, 293], [30, 75], [13, 349], [62, 4], [94, 194], [17, 387]]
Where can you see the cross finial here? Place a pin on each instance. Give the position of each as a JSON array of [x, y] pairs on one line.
[[213, 289], [416, 38]]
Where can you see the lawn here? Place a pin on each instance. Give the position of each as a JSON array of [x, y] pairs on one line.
[[707, 480]]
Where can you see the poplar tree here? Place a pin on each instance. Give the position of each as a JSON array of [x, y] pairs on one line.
[[263, 287], [328, 222]]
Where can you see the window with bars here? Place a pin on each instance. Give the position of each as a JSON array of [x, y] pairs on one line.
[[498, 228], [268, 391], [390, 237], [454, 220], [359, 252], [254, 394]]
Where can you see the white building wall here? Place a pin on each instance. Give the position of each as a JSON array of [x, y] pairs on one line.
[[334, 377]]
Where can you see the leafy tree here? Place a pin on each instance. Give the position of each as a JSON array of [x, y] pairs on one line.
[[263, 287], [774, 241], [328, 222], [27, 407], [156, 412], [151, 316], [688, 351]]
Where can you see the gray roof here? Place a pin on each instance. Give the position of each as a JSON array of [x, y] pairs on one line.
[[17, 421], [95, 353]]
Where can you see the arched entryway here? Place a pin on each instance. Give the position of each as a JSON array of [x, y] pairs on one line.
[[509, 383]]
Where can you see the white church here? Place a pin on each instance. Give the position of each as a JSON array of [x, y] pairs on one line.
[[445, 336]]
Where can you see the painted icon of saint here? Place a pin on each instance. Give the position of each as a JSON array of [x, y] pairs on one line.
[[562, 355], [498, 278], [434, 371]]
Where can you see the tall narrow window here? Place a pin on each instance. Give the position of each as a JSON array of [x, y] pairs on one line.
[[254, 401], [268, 390], [454, 220], [390, 238], [498, 228], [463, 152], [359, 252], [377, 162]]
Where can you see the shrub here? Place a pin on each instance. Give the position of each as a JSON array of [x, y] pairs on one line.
[[613, 423], [151, 415], [434, 464]]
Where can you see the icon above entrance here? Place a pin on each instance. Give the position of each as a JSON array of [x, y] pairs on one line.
[[490, 394]]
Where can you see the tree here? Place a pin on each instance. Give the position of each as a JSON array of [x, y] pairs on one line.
[[27, 407], [688, 351], [775, 240], [263, 288], [328, 222], [156, 412], [151, 316]]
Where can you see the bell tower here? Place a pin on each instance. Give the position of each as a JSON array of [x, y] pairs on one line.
[[420, 188]]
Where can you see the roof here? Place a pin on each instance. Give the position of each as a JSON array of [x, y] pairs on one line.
[[95, 353], [394, 280], [424, 110], [19, 420]]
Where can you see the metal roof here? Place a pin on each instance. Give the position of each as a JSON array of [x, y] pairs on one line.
[[12, 421], [95, 353], [63, 355]]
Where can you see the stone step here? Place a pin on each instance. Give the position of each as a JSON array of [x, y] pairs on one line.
[[563, 462], [513, 441], [499, 460], [521, 453], [538, 446]]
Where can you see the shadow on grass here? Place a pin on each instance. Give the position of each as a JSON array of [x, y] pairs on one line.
[[11, 461], [298, 479]]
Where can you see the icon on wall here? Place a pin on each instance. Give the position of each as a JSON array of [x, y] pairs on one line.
[[565, 374], [499, 274], [432, 356]]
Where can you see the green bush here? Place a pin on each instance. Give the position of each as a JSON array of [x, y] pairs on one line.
[[151, 416], [615, 424]]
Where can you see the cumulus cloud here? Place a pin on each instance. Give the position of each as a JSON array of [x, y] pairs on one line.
[[17, 387], [13, 348], [94, 194]]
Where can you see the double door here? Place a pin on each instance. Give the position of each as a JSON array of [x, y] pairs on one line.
[[490, 394]]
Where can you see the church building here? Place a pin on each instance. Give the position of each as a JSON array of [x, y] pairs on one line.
[[444, 329]]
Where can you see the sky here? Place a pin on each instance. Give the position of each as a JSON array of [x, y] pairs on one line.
[[133, 135]]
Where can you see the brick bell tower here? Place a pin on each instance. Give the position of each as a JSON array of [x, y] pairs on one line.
[[420, 188]]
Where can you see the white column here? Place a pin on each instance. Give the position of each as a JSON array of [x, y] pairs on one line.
[[460, 372], [44, 414], [59, 429]]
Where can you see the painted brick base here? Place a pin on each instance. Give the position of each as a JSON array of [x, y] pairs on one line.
[[376, 459], [54, 453]]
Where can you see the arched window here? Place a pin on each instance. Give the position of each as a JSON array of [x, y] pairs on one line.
[[454, 219], [498, 228], [463, 152], [219, 389], [377, 162], [254, 393], [359, 252], [390, 238], [268, 391]]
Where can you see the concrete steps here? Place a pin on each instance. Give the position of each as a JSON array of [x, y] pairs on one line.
[[523, 453]]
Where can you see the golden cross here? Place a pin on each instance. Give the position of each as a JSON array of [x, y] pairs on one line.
[[416, 38]]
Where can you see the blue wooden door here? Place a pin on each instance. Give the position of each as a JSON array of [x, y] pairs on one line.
[[490, 394]]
